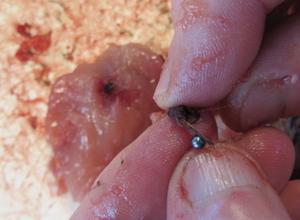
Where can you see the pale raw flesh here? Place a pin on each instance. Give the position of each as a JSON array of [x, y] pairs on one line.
[[98, 110]]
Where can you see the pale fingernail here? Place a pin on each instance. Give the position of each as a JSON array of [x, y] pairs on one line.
[[221, 183], [162, 88], [262, 104], [217, 170]]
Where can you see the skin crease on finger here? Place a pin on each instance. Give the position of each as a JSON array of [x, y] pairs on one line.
[[232, 182], [134, 185], [214, 44], [272, 88]]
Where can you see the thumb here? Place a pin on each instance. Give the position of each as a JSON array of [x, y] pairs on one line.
[[221, 183]]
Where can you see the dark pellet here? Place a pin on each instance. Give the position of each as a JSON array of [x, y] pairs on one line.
[[198, 142]]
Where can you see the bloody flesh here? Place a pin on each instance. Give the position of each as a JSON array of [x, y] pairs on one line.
[[32, 46], [99, 109]]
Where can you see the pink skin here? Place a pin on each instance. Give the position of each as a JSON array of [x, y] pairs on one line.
[[291, 198], [137, 188], [135, 183], [272, 88], [240, 192], [266, 146], [229, 181], [224, 37], [214, 44]]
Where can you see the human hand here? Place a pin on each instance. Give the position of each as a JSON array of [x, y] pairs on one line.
[[217, 45], [242, 179]]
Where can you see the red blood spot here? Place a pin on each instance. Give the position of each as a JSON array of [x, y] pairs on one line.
[[41, 43], [24, 30], [33, 121], [33, 46], [199, 62], [182, 189], [183, 193], [277, 82], [25, 52]]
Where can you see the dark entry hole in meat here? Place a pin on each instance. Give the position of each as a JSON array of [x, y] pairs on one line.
[[108, 88]]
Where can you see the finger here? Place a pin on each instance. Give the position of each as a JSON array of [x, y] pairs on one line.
[[274, 152], [224, 132], [275, 160], [272, 89], [134, 185], [291, 199], [225, 182], [214, 43]]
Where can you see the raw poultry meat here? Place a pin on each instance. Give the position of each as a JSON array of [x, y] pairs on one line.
[[97, 110]]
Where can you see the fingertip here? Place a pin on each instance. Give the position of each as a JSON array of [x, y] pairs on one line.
[[213, 45], [207, 184], [251, 105], [273, 150], [271, 89]]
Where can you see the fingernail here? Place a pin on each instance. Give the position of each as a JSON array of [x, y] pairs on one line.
[[162, 87], [221, 183], [217, 170], [263, 104]]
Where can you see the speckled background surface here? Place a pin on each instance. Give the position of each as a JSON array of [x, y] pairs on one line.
[[39, 41]]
